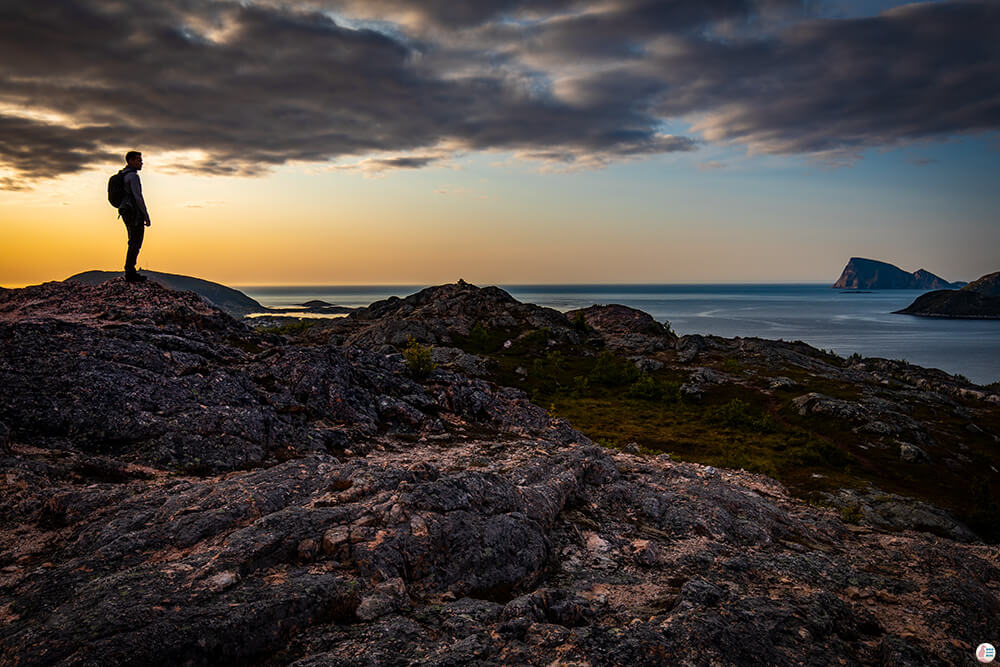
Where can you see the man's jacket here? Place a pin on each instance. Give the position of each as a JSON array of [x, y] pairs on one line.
[[133, 189]]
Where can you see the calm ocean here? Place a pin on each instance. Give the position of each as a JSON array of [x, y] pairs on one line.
[[845, 322]]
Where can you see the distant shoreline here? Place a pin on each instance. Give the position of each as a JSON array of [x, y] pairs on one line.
[[845, 321]]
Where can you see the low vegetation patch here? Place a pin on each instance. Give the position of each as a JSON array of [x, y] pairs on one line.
[[419, 361], [742, 425], [292, 328]]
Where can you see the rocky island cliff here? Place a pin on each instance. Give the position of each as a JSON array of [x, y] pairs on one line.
[[181, 489], [863, 273], [979, 300]]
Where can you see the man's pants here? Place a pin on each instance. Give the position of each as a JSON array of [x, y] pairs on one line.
[[136, 231]]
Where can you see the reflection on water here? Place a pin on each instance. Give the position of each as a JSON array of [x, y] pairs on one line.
[[293, 313], [845, 322]]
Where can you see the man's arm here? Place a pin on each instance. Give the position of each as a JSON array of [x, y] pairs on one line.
[[135, 188]]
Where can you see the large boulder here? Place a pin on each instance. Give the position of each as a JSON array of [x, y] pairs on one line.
[[626, 329], [444, 315]]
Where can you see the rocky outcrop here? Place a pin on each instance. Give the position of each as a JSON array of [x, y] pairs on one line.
[[895, 513], [159, 377], [231, 301], [460, 313], [442, 315], [626, 329], [182, 490], [979, 300], [863, 273], [988, 285]]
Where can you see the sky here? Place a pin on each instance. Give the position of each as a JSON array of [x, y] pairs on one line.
[[503, 141]]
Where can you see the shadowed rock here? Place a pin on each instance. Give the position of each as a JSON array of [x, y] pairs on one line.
[[979, 300], [627, 329], [441, 315], [863, 273]]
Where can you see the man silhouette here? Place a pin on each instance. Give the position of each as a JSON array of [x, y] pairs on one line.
[[134, 213]]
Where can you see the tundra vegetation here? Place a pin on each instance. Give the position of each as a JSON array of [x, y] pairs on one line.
[[751, 422]]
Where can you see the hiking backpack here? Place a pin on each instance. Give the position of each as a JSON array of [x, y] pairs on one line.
[[116, 189]]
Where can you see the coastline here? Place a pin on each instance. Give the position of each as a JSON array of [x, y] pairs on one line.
[[844, 322]]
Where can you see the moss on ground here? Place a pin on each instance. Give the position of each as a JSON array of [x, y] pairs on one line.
[[292, 328]]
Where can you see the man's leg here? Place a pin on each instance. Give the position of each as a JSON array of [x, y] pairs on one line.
[[135, 234]]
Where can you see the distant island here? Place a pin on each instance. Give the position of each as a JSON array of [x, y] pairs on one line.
[[979, 300], [861, 273]]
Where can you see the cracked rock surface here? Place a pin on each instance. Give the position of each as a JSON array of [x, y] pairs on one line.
[[181, 490]]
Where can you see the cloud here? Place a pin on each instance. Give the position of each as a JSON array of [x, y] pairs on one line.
[[568, 83], [36, 149], [834, 87], [375, 166]]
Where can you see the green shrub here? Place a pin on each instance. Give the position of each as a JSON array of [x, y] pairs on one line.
[[731, 365], [580, 323], [536, 338], [671, 391], [646, 388], [479, 337], [737, 455], [737, 414], [419, 362], [555, 360], [819, 452], [610, 371], [291, 328], [851, 513]]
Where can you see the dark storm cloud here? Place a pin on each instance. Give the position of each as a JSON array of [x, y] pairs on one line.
[[35, 149], [254, 86], [454, 14], [405, 162], [622, 29], [920, 71], [580, 82], [379, 165]]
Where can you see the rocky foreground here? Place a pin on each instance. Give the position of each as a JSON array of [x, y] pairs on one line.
[[179, 489]]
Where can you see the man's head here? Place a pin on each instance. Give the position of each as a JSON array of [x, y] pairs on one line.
[[134, 159]]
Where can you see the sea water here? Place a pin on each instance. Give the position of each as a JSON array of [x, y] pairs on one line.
[[845, 322]]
